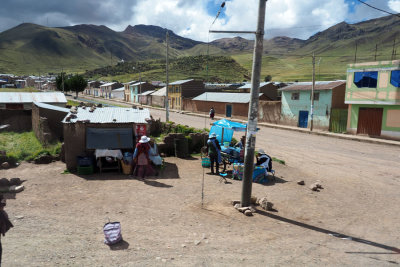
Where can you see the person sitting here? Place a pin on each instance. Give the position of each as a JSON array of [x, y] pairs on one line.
[[241, 143], [214, 152], [264, 160], [141, 158], [153, 154]]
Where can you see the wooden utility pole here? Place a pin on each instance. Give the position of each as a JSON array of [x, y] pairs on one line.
[[376, 51], [312, 93], [253, 108], [166, 91], [393, 50], [355, 55]]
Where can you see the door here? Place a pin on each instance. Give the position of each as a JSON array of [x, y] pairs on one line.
[[228, 111], [370, 121], [303, 118]]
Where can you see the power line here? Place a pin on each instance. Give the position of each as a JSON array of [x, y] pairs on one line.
[[378, 8]]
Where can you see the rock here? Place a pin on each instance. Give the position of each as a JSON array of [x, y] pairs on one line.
[[158, 258], [15, 181], [234, 202], [164, 260], [237, 206], [5, 165], [248, 213], [183, 246], [197, 242], [44, 159], [253, 200], [270, 205], [301, 182], [314, 187], [4, 182], [243, 209], [252, 208], [263, 202], [19, 217]]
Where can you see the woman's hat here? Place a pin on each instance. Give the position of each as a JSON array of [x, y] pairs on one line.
[[144, 139], [261, 151]]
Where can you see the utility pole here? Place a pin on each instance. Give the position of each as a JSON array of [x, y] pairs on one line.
[[253, 108], [62, 79], [393, 50], [166, 91], [253, 105], [376, 51], [312, 92], [355, 55]]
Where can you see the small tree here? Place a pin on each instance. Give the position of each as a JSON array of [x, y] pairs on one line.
[[77, 84], [267, 78], [62, 82]]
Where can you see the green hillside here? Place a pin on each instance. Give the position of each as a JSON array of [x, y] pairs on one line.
[[34, 49], [220, 69]]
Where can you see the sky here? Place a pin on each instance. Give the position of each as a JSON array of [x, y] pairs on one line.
[[194, 18]]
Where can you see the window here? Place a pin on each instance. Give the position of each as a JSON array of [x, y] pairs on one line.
[[366, 79], [395, 78], [176, 89], [295, 96], [316, 96]]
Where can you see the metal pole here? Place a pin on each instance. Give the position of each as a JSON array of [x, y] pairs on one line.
[[312, 92], [253, 108], [166, 91]]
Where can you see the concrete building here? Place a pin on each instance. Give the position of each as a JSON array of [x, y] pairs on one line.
[[158, 97], [184, 89], [138, 88], [296, 103], [16, 108], [373, 95], [102, 128], [127, 91], [224, 104]]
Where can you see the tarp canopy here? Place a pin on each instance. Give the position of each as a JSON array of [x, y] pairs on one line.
[[226, 128]]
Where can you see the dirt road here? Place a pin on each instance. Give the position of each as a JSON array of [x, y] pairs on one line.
[[353, 221]]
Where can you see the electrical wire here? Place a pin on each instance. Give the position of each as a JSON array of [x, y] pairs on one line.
[[397, 15]]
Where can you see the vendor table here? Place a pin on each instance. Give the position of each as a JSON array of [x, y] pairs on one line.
[[103, 153]]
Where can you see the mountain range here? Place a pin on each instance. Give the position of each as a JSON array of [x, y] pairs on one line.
[[32, 49]]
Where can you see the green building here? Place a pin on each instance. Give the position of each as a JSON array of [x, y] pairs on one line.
[[373, 96]]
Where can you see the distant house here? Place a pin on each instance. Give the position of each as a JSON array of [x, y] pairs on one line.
[[158, 97], [20, 83], [91, 87], [224, 104], [118, 93], [127, 91], [138, 88], [373, 96], [269, 89], [106, 89], [179, 90], [102, 128], [145, 98], [16, 108], [296, 103]]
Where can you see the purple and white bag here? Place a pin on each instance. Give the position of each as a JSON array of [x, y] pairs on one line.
[[112, 233]]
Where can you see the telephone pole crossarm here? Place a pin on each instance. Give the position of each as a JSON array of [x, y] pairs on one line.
[[245, 32]]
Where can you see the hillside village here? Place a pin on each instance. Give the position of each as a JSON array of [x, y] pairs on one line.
[[156, 167]]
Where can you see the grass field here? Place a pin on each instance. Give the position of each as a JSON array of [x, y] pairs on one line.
[[25, 146], [26, 89]]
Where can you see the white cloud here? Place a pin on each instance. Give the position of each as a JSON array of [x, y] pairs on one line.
[[394, 5]]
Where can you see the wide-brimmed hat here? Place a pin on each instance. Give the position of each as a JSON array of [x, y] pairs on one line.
[[144, 139], [261, 151], [213, 135]]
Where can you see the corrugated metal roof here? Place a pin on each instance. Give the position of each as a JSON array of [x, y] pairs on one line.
[[147, 92], [248, 85], [110, 115], [119, 89], [181, 82], [43, 97], [138, 83], [306, 86], [225, 97], [106, 84], [160, 92], [52, 107]]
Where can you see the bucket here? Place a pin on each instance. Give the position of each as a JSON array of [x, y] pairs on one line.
[[205, 162], [226, 144]]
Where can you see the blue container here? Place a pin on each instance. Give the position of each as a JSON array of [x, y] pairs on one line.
[[84, 161]]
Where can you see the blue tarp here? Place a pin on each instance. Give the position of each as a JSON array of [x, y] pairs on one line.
[[228, 127]]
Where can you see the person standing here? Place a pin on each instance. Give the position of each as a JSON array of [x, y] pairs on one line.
[[5, 223], [141, 158], [214, 152], [212, 113]]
